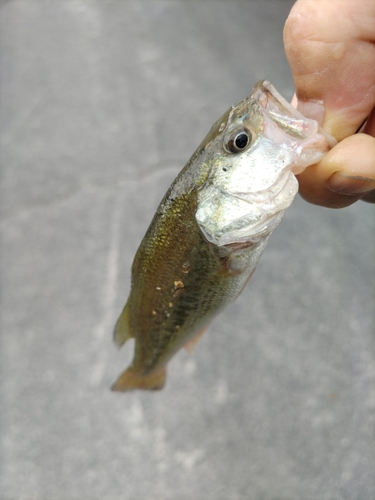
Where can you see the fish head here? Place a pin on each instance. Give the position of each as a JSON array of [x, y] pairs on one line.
[[254, 151]]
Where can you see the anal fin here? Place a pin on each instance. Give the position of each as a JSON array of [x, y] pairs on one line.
[[122, 331], [192, 343], [130, 380]]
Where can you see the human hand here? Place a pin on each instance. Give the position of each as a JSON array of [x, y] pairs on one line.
[[330, 47]]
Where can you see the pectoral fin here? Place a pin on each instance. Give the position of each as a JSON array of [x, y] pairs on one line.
[[130, 380], [122, 331]]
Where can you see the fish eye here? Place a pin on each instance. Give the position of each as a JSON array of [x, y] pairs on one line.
[[238, 140]]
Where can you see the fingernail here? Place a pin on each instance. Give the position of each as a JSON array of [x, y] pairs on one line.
[[312, 109], [350, 185]]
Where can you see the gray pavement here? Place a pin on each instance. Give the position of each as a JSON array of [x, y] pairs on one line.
[[102, 103]]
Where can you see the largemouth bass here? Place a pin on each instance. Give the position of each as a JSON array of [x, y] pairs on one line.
[[211, 228]]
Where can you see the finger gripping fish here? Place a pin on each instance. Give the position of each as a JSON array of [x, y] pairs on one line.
[[211, 228]]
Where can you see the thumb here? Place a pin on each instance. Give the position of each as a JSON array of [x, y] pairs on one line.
[[329, 46]]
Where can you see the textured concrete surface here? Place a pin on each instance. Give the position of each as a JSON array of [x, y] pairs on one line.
[[102, 102]]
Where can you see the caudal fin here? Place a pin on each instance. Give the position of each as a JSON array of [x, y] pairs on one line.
[[130, 380]]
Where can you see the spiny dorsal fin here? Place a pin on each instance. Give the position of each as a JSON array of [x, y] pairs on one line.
[[122, 331]]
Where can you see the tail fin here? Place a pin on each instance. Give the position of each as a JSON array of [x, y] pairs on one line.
[[122, 331], [130, 380]]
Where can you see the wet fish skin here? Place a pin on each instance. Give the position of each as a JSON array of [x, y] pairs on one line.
[[211, 227]]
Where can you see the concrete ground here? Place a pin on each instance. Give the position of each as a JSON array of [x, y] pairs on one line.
[[102, 103]]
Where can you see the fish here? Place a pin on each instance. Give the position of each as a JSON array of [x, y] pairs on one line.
[[211, 228]]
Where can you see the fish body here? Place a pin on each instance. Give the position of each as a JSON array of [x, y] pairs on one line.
[[211, 228]]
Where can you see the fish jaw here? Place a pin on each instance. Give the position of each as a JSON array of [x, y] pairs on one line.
[[247, 193]]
